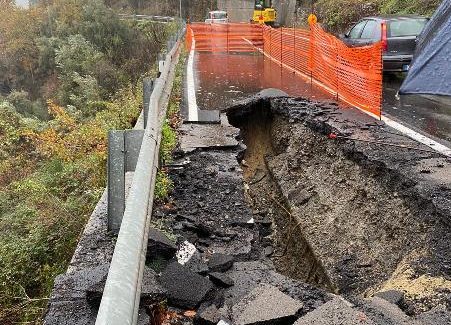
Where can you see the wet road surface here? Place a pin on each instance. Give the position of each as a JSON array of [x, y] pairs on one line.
[[222, 79], [423, 114]]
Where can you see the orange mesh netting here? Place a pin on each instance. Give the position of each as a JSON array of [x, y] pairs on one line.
[[226, 37], [353, 74]]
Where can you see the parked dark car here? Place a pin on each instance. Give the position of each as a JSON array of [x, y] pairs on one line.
[[398, 35]]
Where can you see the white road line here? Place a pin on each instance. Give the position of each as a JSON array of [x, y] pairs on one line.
[[193, 115], [417, 136]]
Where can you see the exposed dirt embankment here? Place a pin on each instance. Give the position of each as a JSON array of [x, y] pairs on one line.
[[365, 211], [293, 255]]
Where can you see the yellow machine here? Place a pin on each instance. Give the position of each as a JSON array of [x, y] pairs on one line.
[[264, 13]]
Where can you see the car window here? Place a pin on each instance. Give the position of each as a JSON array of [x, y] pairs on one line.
[[370, 30], [218, 15], [357, 29], [406, 27]]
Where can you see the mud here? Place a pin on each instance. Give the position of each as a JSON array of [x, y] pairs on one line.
[[355, 211], [293, 255]]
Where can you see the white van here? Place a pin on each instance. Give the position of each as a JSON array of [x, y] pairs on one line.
[[217, 17]]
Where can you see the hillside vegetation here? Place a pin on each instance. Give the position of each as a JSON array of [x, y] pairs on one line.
[[338, 15], [195, 10], [69, 72]]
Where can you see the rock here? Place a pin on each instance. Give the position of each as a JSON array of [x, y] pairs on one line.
[[264, 221], [197, 265], [265, 305], [150, 289], [221, 279], [226, 234], [392, 296], [268, 251], [438, 315], [70, 312], [81, 285], [204, 242], [220, 262], [207, 316], [383, 312], [160, 245], [240, 246], [185, 252], [242, 222], [188, 218], [222, 322], [249, 275], [185, 289], [199, 228], [335, 312]]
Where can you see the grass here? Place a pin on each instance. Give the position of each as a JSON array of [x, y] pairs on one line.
[[169, 136]]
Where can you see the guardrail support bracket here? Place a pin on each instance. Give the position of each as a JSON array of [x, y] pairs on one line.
[[147, 91], [123, 153]]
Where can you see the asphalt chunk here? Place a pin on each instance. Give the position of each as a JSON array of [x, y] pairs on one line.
[[220, 262], [185, 289], [265, 305]]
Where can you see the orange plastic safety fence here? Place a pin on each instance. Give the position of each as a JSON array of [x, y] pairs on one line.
[[353, 75], [226, 37]]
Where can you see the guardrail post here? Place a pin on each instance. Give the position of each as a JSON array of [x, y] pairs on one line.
[[147, 91], [116, 179], [123, 152]]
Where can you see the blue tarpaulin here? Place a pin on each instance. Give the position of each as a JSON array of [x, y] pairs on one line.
[[430, 72]]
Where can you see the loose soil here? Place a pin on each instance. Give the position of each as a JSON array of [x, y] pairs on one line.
[[353, 217]]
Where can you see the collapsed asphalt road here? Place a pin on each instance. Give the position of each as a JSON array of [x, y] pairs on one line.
[[316, 222], [306, 214], [229, 272]]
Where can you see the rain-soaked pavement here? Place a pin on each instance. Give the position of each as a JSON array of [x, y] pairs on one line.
[[423, 114], [222, 79]]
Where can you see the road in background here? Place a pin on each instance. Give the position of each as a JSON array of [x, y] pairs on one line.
[[242, 10], [239, 11]]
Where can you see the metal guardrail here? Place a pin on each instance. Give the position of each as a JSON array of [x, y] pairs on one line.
[[121, 295], [157, 19]]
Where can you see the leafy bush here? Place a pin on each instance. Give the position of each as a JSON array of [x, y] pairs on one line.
[[338, 19], [78, 58]]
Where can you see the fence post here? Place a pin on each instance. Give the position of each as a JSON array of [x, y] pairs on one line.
[[270, 41], [311, 53], [337, 82], [281, 55], [227, 37], [294, 49]]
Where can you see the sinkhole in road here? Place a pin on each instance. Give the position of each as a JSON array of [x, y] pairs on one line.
[[341, 221], [293, 256]]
